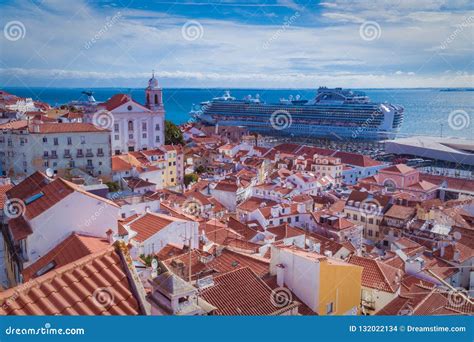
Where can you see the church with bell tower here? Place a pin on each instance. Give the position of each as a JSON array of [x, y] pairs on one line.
[[154, 94], [136, 127]]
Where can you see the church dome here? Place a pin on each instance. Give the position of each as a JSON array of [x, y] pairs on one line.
[[153, 82]]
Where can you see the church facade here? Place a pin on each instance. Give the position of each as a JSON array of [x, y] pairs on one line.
[[133, 126]]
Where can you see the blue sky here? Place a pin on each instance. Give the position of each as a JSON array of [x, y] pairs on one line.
[[274, 44]]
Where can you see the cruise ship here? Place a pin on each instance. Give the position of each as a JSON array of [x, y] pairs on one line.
[[333, 113]]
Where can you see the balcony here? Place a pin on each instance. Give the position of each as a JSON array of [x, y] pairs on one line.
[[89, 154], [67, 155], [100, 154], [89, 167], [80, 155], [54, 156]]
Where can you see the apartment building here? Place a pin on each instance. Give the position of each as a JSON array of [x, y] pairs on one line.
[[27, 147]]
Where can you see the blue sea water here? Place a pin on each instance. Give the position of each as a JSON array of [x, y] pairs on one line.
[[427, 111]]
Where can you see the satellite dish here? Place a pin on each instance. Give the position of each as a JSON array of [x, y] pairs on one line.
[[49, 172], [154, 264]]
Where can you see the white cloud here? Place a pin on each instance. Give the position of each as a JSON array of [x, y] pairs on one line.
[[232, 53]]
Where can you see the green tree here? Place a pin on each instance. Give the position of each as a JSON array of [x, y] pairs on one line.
[[173, 135], [190, 178], [113, 186]]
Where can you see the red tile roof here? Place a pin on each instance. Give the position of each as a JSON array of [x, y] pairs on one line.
[[421, 299], [149, 224], [19, 228], [229, 260], [285, 231], [74, 247], [116, 101], [399, 168], [39, 193], [3, 196], [14, 125], [463, 184], [96, 284], [242, 292], [377, 274], [401, 212], [73, 127]]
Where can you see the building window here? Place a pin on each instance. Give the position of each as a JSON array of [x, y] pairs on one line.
[[69, 140], [55, 141], [53, 154], [45, 140], [130, 136], [144, 126], [329, 308], [45, 154], [157, 127], [371, 221], [130, 126], [144, 135], [116, 137], [156, 99], [100, 151], [83, 139], [116, 128], [157, 139]]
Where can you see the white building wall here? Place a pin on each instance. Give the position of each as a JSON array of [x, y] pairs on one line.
[[301, 275], [177, 232], [77, 212]]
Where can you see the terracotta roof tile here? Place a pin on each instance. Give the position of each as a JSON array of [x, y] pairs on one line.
[[242, 292], [149, 224], [74, 247], [73, 127], [399, 168], [229, 260], [74, 289], [377, 274]]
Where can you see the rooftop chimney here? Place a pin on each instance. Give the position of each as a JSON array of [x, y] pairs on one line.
[[110, 236], [280, 275]]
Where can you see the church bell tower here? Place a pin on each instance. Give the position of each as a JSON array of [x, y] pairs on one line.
[[154, 94]]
